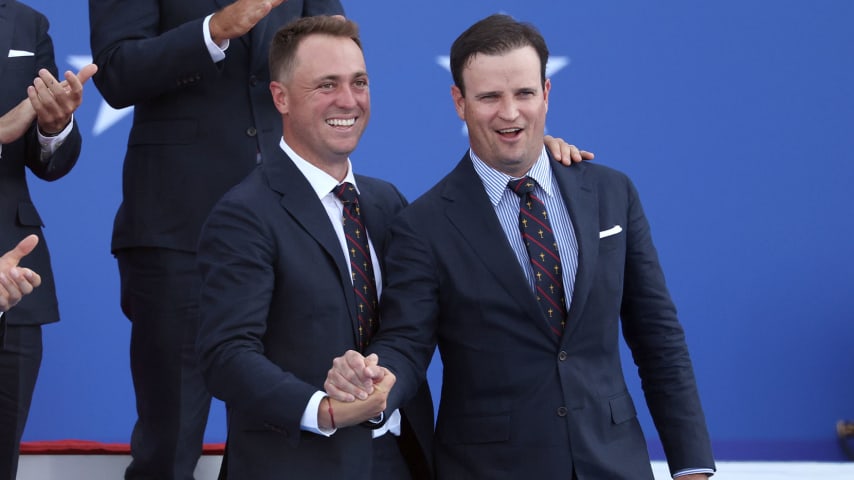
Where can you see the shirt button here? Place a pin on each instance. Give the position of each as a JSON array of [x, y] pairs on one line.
[[561, 411], [251, 131], [562, 355], [253, 80]]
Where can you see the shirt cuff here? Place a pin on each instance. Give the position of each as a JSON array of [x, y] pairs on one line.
[[391, 426], [217, 52], [50, 144], [689, 471], [308, 422]]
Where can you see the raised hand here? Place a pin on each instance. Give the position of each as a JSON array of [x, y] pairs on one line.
[[53, 101], [239, 17]]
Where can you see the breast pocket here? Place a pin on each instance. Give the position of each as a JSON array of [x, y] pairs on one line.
[[611, 237], [21, 66]]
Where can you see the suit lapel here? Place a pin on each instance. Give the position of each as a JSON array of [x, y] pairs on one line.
[[7, 17], [581, 201], [285, 178], [469, 210]]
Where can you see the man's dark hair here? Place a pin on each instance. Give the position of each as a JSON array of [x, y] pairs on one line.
[[495, 35]]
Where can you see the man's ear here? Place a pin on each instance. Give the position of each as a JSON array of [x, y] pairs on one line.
[[547, 87], [459, 102], [280, 96]]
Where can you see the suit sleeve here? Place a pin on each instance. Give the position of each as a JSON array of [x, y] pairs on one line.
[[137, 57], [409, 310], [236, 254], [657, 341]]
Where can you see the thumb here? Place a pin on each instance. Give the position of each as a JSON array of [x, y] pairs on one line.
[[371, 360], [87, 72], [21, 250]]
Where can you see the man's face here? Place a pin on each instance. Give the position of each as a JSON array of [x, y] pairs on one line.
[[326, 103], [504, 108]]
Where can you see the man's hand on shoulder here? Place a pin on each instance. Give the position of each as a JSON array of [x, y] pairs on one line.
[[564, 152]]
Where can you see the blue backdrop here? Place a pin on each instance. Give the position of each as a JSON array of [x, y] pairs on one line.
[[733, 117]]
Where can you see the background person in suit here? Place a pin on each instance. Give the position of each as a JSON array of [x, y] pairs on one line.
[[41, 135], [196, 72], [525, 294], [278, 300]]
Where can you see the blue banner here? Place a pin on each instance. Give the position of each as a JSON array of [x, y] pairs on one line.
[[734, 119]]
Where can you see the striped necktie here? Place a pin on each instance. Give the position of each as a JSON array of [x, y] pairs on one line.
[[543, 253], [361, 266]]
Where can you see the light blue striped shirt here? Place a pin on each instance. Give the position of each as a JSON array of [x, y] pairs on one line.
[[506, 204]]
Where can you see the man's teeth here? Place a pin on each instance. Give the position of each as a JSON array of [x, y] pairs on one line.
[[341, 122], [510, 130]]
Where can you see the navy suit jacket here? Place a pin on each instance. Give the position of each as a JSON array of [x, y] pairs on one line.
[[516, 401], [198, 126], [25, 30], [277, 306]]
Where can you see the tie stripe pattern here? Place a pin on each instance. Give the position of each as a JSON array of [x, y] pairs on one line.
[[543, 252], [361, 266]]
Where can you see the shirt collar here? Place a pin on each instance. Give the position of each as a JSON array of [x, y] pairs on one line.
[[321, 182], [495, 182]]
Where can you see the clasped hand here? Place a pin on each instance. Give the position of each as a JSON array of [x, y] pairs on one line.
[[358, 390]]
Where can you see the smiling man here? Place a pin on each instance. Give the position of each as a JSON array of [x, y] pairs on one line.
[[523, 273], [280, 296]]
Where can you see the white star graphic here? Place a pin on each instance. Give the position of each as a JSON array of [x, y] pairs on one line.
[[554, 65], [107, 115]]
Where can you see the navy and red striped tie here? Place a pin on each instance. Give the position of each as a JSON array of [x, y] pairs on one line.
[[543, 253], [359, 253]]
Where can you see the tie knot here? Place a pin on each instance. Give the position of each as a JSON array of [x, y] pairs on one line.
[[522, 186], [346, 192]]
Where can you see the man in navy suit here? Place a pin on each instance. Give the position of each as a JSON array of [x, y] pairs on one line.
[[278, 300], [196, 72], [523, 273], [39, 133]]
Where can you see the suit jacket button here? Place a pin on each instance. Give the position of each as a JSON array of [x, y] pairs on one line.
[[561, 411], [251, 131], [562, 355]]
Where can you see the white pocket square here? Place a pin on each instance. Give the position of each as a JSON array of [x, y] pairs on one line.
[[19, 53], [611, 231]]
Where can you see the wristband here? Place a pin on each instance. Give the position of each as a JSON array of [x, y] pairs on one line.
[[331, 414]]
